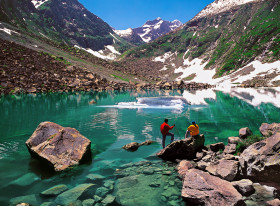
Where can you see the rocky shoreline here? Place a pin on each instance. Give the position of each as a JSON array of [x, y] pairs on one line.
[[218, 176], [24, 70]]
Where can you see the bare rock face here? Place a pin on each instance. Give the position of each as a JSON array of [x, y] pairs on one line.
[[182, 149], [262, 159], [245, 132], [201, 188], [61, 147], [269, 129]]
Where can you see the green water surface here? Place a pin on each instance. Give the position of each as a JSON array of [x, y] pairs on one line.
[[109, 129]]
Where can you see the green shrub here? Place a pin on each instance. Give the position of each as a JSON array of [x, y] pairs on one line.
[[242, 145]]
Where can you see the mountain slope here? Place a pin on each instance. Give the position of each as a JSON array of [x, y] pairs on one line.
[[219, 42], [60, 20], [150, 31]]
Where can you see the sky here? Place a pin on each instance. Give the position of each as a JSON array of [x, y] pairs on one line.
[[124, 14]]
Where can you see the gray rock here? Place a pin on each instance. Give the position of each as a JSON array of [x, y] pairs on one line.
[[269, 129], [244, 187], [225, 169], [275, 202], [261, 160], [230, 149], [54, 191], [133, 146], [233, 140], [201, 188], [245, 132], [218, 146], [183, 167], [60, 147], [72, 195], [182, 149], [29, 199]]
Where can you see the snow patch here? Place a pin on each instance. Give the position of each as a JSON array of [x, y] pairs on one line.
[[157, 26], [122, 33], [100, 54], [8, 31], [163, 58], [38, 3], [219, 6], [196, 67], [260, 70]]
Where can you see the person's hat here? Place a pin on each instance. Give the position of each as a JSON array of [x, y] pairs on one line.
[[193, 122]]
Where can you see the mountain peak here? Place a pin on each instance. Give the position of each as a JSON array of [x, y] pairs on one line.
[[219, 6]]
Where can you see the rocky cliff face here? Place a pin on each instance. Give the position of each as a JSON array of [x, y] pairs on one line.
[[150, 31], [241, 41]]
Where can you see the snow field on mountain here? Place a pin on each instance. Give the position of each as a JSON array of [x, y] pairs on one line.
[[38, 3], [219, 6], [196, 69], [113, 53]]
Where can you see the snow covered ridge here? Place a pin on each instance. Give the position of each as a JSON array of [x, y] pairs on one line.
[[151, 30], [219, 6], [38, 3]]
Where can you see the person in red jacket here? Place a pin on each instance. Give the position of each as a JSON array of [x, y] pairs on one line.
[[164, 128]]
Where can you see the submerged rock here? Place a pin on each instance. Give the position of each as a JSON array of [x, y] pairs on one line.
[[61, 147], [182, 149], [201, 188], [72, 195], [261, 160], [55, 190], [27, 200], [26, 180]]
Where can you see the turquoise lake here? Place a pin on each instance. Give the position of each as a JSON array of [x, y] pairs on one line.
[[116, 119]]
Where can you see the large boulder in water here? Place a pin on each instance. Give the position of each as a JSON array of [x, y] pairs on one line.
[[182, 149], [61, 147], [201, 188], [261, 160]]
